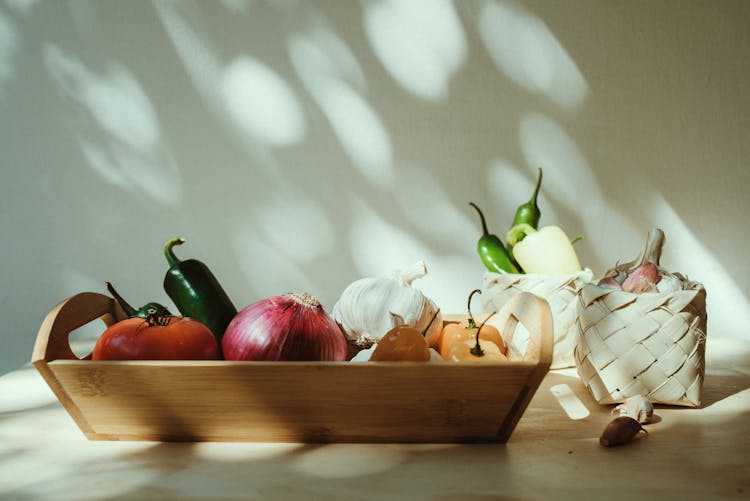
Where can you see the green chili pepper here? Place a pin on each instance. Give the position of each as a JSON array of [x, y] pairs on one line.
[[492, 251], [148, 309], [526, 214], [196, 292]]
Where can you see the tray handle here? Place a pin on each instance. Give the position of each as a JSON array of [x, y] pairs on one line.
[[534, 313], [52, 340]]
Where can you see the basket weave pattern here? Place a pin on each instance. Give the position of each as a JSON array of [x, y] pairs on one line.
[[560, 291], [650, 344]]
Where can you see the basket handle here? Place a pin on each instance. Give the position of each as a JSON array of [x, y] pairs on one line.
[[534, 313], [52, 340]]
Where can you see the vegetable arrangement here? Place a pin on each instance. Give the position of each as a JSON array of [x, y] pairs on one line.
[[379, 319], [528, 248], [383, 319]]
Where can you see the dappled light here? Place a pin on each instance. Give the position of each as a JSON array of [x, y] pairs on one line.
[[332, 76], [420, 43], [223, 452], [545, 143], [127, 152], [20, 392], [201, 63], [300, 145], [114, 100], [359, 130], [421, 198], [44, 469], [570, 403], [8, 47], [529, 54], [297, 226], [237, 6], [504, 176], [347, 461], [266, 270], [684, 250], [23, 6], [317, 53], [303, 145], [379, 246], [261, 103]]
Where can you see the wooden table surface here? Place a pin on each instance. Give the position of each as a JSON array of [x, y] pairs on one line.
[[688, 454]]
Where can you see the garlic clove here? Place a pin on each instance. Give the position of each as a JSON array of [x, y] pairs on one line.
[[620, 431], [642, 279], [637, 407]]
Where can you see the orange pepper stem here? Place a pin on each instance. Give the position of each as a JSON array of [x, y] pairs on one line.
[[472, 323], [477, 350]]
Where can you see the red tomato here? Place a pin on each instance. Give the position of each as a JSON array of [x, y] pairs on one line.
[[169, 338]]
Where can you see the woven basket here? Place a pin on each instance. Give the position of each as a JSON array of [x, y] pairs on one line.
[[650, 344], [560, 291]]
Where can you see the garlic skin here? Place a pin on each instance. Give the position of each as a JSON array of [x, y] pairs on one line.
[[364, 310], [669, 283], [642, 279], [609, 283], [637, 407]]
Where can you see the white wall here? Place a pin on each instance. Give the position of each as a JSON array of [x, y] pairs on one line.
[[301, 145]]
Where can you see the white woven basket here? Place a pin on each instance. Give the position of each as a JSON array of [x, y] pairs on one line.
[[560, 291], [650, 344]]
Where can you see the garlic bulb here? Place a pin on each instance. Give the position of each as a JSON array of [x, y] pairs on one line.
[[365, 308], [644, 274]]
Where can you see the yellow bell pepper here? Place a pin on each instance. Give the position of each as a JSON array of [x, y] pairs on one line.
[[547, 250]]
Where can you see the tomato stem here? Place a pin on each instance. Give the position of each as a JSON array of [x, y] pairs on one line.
[[154, 318], [129, 310]]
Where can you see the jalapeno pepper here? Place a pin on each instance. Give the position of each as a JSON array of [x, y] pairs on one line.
[[196, 292], [526, 214], [492, 251]]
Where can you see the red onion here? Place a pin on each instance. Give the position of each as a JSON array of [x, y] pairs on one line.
[[289, 327]]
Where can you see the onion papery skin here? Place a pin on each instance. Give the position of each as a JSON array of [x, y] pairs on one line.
[[290, 327]]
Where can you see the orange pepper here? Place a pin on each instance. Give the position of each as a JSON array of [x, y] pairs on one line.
[[476, 351], [466, 332], [464, 352], [403, 343]]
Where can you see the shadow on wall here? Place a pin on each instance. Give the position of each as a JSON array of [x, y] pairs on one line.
[[302, 144]]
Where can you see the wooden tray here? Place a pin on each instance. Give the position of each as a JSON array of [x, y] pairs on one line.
[[292, 401]]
